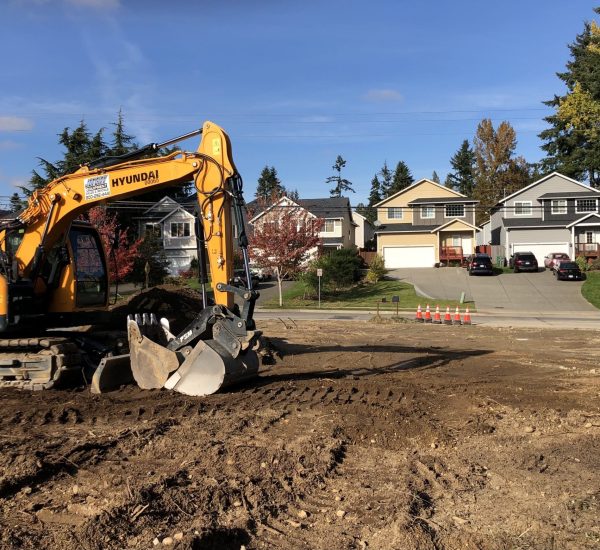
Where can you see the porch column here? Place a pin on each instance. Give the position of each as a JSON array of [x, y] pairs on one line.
[[573, 242]]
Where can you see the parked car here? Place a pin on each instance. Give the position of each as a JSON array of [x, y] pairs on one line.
[[552, 259], [523, 261], [239, 279], [480, 264], [568, 271]]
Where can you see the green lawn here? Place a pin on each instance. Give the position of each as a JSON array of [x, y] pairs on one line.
[[591, 288], [365, 295]]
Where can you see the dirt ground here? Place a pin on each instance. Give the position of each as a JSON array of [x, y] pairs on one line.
[[362, 435]]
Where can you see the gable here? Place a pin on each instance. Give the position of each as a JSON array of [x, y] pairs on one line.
[[552, 183], [420, 189], [165, 204], [456, 225]]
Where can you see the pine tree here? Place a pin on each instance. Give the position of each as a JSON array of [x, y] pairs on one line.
[[369, 211], [385, 185], [463, 177], [434, 177], [269, 186], [401, 179], [572, 143], [16, 203], [341, 184]]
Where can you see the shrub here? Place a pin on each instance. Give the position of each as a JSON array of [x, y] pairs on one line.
[[582, 263], [595, 265], [342, 267], [376, 270]]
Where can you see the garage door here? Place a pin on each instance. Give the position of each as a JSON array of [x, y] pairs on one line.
[[408, 256], [542, 250]]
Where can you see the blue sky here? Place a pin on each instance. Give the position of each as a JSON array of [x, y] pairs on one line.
[[293, 83]]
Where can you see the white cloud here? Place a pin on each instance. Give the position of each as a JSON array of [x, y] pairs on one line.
[[383, 95], [15, 124]]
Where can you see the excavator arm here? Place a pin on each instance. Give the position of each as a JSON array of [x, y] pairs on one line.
[[214, 350]]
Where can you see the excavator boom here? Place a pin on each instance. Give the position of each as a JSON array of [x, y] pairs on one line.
[[41, 272]]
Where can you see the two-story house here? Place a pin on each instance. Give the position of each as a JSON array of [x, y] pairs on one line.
[[175, 225], [553, 214], [335, 212], [424, 225]]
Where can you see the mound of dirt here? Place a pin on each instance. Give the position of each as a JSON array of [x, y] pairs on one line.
[[179, 305]]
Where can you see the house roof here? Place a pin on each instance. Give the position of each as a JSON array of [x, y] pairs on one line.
[[584, 218], [540, 181], [511, 223], [414, 185], [331, 207], [450, 222], [441, 200], [570, 195]]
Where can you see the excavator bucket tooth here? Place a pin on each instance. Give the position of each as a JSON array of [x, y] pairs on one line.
[[209, 368]]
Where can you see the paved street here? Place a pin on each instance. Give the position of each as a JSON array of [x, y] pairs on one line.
[[520, 292]]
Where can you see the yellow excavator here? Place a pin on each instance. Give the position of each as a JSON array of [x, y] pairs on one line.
[[53, 275]]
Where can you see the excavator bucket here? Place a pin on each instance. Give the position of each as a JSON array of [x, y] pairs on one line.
[[203, 369]]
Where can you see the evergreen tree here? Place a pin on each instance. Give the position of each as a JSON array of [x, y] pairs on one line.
[[375, 194], [341, 184], [434, 177], [269, 186], [572, 143], [401, 179], [463, 177], [292, 194], [121, 141], [369, 211], [385, 184], [16, 203]]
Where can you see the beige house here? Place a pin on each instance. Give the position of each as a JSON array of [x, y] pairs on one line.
[[425, 225]]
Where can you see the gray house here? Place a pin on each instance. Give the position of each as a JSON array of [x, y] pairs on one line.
[[553, 214], [176, 227]]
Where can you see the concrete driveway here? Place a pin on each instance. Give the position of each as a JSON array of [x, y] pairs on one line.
[[524, 292]]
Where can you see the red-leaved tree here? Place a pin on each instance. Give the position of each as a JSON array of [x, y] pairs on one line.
[[121, 259], [283, 239]]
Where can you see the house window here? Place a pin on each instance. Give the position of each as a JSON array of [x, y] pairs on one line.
[[586, 205], [180, 229], [455, 211], [154, 228], [329, 226], [589, 237], [456, 241], [395, 213], [427, 212], [523, 208], [559, 206]]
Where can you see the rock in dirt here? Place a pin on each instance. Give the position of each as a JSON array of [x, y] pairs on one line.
[[340, 513], [529, 429], [178, 536], [167, 541], [302, 514]]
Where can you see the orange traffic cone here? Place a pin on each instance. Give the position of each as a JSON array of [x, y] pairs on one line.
[[419, 317], [437, 319], [467, 317], [447, 318], [456, 320], [427, 314]]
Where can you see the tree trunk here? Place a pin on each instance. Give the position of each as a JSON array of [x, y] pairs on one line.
[[279, 286]]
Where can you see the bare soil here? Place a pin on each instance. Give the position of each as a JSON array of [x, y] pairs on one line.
[[362, 435]]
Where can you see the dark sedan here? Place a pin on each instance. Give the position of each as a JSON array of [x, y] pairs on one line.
[[568, 271], [480, 264]]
